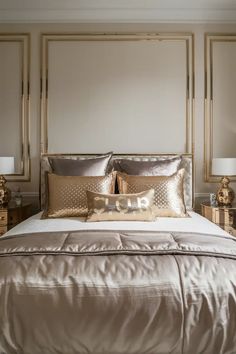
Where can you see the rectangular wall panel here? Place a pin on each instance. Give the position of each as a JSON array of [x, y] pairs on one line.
[[120, 93], [14, 102], [10, 101], [220, 117]]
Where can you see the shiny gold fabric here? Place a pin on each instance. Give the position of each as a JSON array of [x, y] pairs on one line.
[[67, 194], [96, 166], [110, 292], [186, 163], [163, 166], [127, 207], [169, 194]]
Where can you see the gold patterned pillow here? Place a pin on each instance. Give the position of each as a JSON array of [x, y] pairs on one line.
[[169, 194], [67, 194], [120, 207]]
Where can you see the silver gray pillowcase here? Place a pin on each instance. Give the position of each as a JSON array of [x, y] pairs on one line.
[[162, 167], [96, 166]]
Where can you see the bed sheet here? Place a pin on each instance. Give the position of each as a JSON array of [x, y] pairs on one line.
[[193, 223]]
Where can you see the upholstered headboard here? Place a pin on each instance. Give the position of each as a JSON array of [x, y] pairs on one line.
[[186, 163]]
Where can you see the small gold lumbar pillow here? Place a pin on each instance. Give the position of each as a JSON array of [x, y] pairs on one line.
[[67, 194], [120, 207], [169, 194]]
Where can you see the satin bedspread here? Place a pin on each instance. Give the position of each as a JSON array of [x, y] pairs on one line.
[[113, 292]]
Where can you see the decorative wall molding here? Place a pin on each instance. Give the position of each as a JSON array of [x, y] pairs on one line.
[[27, 194], [202, 195], [219, 103], [30, 194], [23, 90], [118, 15], [83, 137]]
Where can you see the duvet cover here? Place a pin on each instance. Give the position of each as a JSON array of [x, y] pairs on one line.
[[111, 291]]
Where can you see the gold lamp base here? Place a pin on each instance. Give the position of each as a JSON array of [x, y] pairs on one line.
[[5, 193], [225, 194]]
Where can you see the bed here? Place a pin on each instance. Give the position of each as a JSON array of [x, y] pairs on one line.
[[70, 286]]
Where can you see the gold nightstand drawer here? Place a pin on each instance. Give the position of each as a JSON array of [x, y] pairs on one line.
[[13, 214], [3, 218], [225, 217], [230, 230]]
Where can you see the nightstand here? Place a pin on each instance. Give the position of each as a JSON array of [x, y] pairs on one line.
[[12, 215], [225, 217]]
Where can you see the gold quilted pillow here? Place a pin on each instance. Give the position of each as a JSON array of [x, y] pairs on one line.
[[67, 194], [169, 194], [117, 207]]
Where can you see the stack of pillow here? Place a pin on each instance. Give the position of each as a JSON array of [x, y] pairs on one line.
[[146, 189]]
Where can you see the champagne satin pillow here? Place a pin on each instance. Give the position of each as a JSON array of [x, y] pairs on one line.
[[169, 194], [117, 207], [67, 194], [164, 166], [96, 166]]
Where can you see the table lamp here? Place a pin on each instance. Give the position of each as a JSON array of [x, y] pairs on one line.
[[224, 167], [6, 168]]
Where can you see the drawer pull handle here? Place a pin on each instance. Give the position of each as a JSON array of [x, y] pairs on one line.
[[2, 218]]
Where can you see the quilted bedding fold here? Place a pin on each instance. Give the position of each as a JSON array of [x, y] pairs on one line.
[[117, 292]]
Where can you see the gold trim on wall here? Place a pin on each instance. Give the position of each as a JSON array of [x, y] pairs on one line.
[[24, 40], [187, 38], [210, 39]]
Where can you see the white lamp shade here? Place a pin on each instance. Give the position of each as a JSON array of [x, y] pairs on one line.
[[7, 165], [224, 166]]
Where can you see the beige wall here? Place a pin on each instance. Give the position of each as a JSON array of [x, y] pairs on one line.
[[37, 29], [119, 95]]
